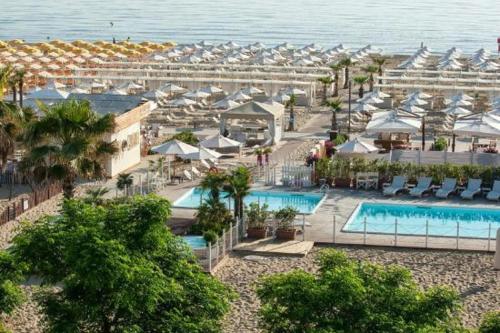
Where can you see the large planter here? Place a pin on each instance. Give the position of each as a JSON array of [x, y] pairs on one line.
[[257, 233], [286, 234], [343, 182]]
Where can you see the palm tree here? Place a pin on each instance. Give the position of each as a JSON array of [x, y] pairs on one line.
[[214, 182], [336, 70], [326, 81], [68, 142], [371, 69], [96, 196], [380, 62], [124, 181], [335, 106], [290, 104], [238, 187], [346, 63], [361, 80], [19, 75]]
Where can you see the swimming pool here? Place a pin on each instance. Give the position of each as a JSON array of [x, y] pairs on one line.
[[195, 242], [412, 220], [306, 203]]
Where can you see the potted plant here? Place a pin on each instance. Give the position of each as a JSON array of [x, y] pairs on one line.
[[342, 171], [285, 217], [256, 219]]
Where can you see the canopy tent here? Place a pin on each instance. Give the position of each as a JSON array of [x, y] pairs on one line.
[[202, 154], [174, 147], [356, 146], [394, 122]]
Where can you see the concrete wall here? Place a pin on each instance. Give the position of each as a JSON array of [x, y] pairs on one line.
[[128, 141]]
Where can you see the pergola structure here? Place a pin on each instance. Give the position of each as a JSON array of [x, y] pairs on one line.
[[269, 114]]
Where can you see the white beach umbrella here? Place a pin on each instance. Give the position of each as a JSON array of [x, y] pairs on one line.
[[251, 91], [457, 102], [356, 146], [55, 85], [488, 66], [203, 153], [239, 96], [462, 97], [457, 111], [394, 122], [414, 101], [212, 90], [281, 98], [48, 93], [484, 125], [174, 147], [370, 99], [294, 91], [115, 91], [225, 104], [155, 95], [171, 88], [364, 107], [196, 94], [412, 108], [183, 102], [131, 86], [419, 95], [77, 90], [158, 57]]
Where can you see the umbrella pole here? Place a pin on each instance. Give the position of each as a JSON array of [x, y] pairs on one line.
[[423, 133], [453, 143]]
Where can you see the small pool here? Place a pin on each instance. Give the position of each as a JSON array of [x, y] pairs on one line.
[[195, 242], [412, 220], [306, 203]]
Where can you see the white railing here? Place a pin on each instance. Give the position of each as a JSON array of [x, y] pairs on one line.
[[210, 256], [398, 233]]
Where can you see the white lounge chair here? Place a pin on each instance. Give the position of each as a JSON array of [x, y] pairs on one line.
[[196, 172], [494, 194], [449, 186], [423, 186], [398, 185], [187, 175], [473, 188]]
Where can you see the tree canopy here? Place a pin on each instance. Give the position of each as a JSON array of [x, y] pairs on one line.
[[349, 296], [116, 268]]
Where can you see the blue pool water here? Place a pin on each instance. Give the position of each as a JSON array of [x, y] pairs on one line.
[[195, 242], [305, 203], [442, 220]]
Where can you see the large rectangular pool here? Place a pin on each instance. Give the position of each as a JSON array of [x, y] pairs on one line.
[[305, 203], [414, 220]]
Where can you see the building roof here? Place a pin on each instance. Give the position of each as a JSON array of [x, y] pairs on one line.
[[254, 110], [104, 103]]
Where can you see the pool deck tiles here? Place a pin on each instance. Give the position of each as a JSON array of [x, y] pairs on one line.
[[270, 246]]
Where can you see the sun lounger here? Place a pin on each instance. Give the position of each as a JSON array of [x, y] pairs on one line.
[[494, 194], [196, 172], [398, 185], [423, 186], [473, 188], [449, 186], [187, 175]]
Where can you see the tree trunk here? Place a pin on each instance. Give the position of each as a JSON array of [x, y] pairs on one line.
[[380, 73], [291, 122], [361, 91], [334, 120], [236, 208], [14, 94], [336, 88], [324, 93], [371, 82], [346, 83], [21, 84], [68, 188]]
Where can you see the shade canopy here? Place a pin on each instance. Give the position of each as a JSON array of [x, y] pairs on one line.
[[484, 125], [171, 88], [174, 147], [394, 122], [219, 141], [225, 104], [202, 154], [356, 146]]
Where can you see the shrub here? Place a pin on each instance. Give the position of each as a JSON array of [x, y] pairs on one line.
[[490, 323], [210, 236], [257, 215], [186, 137], [285, 217], [440, 144], [212, 215]]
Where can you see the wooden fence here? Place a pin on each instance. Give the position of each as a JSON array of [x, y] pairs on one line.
[[33, 199]]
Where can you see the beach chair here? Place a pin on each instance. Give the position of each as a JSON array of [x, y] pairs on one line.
[[196, 172], [449, 186], [398, 185], [187, 175], [423, 186], [494, 194], [473, 188]]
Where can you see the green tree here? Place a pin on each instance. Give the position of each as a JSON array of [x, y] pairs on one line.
[[238, 187], [346, 63], [124, 181], [95, 196], [490, 323], [186, 137], [119, 270], [68, 142], [291, 104], [335, 106], [361, 80], [213, 182], [326, 81], [212, 215], [351, 296], [370, 70], [380, 61], [11, 294], [336, 68]]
